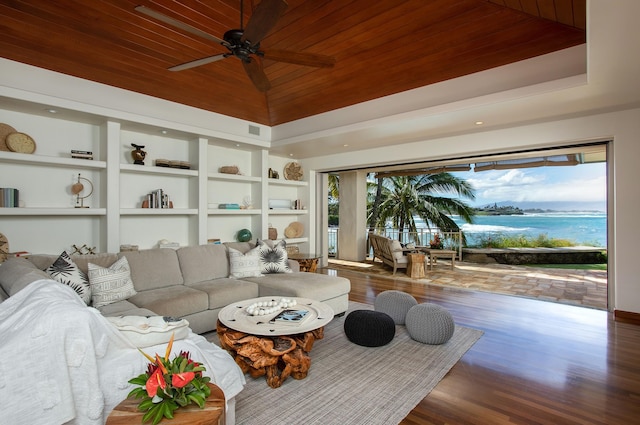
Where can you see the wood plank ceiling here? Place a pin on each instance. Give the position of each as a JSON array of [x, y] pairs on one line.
[[381, 47]]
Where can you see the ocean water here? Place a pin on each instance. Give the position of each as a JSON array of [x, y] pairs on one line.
[[582, 228]]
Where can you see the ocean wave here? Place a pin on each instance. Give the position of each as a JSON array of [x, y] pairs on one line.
[[491, 228], [565, 214]]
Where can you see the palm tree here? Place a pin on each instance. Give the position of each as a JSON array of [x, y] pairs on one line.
[[404, 197]]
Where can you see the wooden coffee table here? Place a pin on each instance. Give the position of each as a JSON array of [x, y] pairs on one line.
[[274, 350], [433, 255]]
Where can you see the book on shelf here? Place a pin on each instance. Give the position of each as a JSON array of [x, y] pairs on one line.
[[293, 317], [229, 206], [9, 197]]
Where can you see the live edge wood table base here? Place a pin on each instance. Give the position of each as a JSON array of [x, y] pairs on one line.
[[276, 357], [127, 413]]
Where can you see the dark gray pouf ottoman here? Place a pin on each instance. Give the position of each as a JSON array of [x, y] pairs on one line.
[[369, 328], [395, 303], [430, 324]]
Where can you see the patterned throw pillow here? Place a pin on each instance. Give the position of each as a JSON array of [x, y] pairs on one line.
[[244, 265], [110, 284], [274, 260], [65, 271]]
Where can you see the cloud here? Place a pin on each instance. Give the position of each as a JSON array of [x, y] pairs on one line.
[[546, 184]]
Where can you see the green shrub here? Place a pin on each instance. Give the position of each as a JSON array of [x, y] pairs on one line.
[[522, 241]]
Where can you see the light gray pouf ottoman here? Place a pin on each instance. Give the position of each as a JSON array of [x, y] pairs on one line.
[[430, 324], [394, 303]]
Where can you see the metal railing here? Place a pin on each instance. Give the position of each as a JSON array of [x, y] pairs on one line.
[[450, 240]]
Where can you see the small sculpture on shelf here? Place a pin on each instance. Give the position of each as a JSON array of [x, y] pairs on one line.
[[138, 154], [83, 250], [78, 188], [273, 174]]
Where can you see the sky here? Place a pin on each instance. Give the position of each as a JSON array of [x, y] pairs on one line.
[[567, 185]]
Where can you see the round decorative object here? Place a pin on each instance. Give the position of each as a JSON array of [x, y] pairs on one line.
[[20, 142], [369, 328], [244, 235], [430, 324], [294, 230], [4, 247], [293, 171], [5, 130], [395, 303]]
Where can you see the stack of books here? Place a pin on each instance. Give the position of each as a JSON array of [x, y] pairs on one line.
[[157, 199], [81, 154], [9, 197]]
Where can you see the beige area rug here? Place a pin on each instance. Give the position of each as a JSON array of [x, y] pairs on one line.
[[350, 384], [587, 288]]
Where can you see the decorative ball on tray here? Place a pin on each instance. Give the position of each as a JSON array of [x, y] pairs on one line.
[[243, 235]]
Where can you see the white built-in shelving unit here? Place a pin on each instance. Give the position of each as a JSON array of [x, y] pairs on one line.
[[48, 221]]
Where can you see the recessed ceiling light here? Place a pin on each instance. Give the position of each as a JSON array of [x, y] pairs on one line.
[[52, 111], [163, 131], [290, 154], [345, 145], [479, 122]]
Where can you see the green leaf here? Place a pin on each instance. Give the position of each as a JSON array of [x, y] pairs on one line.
[[146, 404], [197, 400]]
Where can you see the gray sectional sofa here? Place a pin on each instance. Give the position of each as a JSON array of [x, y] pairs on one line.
[[191, 282]]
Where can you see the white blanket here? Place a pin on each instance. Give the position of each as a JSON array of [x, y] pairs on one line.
[[62, 362]]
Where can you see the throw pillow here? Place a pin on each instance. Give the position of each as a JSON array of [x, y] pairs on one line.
[[65, 271], [396, 250], [274, 260], [110, 284], [244, 265]]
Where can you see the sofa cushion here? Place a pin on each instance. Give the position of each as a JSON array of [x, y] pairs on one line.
[[174, 301], [67, 272], [203, 262], [16, 273], [244, 265], [396, 251], [273, 258], [222, 292], [154, 268], [306, 285], [110, 284]]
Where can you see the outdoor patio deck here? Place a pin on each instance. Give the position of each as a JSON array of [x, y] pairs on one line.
[[587, 288]]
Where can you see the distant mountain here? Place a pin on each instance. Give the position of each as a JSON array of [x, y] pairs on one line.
[[552, 206]]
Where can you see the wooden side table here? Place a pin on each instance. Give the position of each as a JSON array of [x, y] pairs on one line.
[[308, 262], [415, 269], [127, 413]]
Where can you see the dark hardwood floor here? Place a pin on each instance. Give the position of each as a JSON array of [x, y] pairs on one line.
[[537, 362]]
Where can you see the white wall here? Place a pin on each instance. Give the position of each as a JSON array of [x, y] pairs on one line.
[[624, 197]]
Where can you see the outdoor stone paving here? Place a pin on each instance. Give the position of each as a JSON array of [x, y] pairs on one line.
[[587, 288]]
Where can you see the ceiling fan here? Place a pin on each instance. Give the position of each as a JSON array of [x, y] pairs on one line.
[[244, 43]]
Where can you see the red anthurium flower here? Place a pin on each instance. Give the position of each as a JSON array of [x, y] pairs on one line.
[[180, 380], [155, 380]]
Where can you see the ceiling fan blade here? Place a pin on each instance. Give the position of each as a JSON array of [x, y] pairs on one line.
[[264, 18], [174, 22], [298, 58], [254, 70], [197, 62]]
